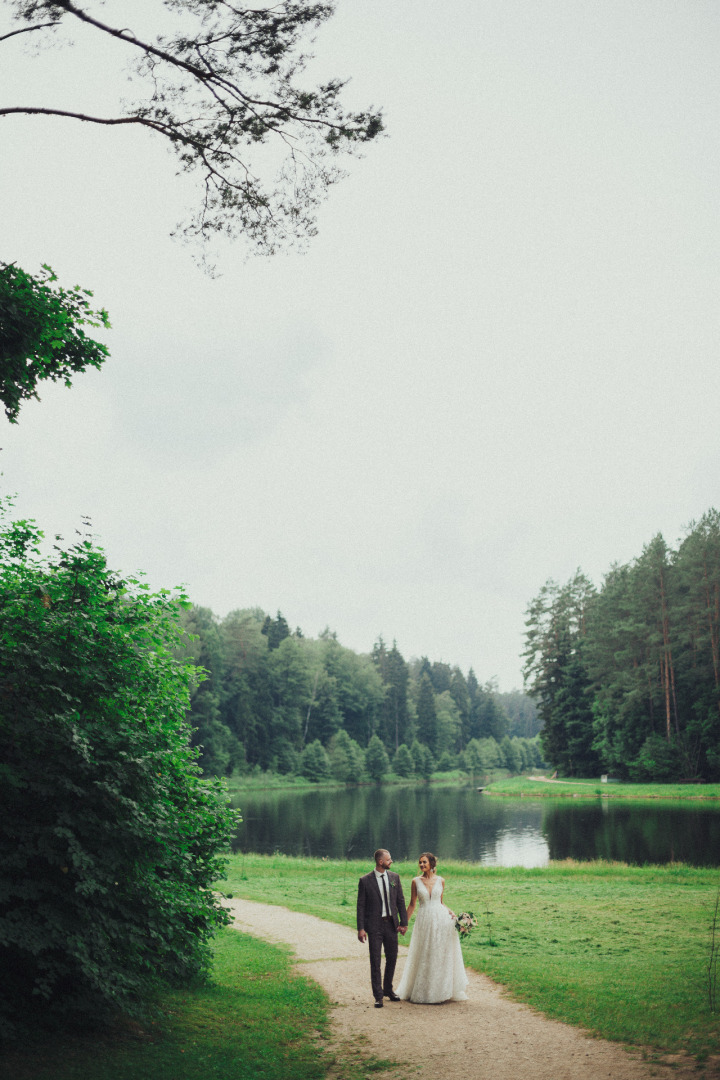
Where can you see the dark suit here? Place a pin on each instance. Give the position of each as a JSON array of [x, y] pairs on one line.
[[381, 932]]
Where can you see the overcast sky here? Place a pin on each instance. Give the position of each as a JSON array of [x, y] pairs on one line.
[[498, 360]]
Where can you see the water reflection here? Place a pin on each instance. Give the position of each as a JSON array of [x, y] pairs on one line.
[[643, 832], [461, 823]]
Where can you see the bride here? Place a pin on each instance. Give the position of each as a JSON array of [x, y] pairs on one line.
[[434, 969]]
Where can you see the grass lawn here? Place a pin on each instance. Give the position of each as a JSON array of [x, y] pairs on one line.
[[524, 785], [256, 1020], [621, 951]]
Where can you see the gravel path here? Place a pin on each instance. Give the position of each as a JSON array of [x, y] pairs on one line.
[[486, 1036]]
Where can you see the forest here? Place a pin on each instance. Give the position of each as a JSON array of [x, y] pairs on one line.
[[276, 700], [627, 676]]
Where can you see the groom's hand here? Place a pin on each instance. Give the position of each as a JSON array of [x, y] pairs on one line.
[[362, 936], [402, 929]]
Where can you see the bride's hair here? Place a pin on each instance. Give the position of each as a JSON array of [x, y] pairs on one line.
[[430, 858]]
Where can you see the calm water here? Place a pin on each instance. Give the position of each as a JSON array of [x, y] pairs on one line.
[[461, 823]]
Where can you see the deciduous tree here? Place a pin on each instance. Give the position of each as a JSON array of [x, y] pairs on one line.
[[110, 841], [42, 334]]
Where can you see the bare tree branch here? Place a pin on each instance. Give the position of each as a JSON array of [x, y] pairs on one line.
[[28, 29]]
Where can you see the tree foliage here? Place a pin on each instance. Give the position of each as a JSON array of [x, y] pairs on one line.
[[224, 87], [269, 694], [377, 761], [109, 838], [42, 334], [628, 676]]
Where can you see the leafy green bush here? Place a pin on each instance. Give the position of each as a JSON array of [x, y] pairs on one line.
[[657, 759], [109, 837]]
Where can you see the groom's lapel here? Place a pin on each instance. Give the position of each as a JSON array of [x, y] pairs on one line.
[[377, 886]]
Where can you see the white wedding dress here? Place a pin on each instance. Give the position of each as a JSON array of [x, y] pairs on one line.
[[434, 969]]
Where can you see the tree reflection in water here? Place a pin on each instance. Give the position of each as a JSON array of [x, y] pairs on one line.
[[461, 823]]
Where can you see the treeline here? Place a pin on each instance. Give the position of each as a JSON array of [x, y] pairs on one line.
[[276, 700], [628, 676]]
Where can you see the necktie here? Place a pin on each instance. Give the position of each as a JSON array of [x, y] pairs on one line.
[[385, 891]]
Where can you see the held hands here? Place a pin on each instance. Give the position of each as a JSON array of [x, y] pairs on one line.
[[402, 929]]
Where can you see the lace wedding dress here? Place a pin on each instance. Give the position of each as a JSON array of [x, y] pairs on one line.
[[434, 969]]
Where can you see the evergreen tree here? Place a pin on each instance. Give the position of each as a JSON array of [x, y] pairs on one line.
[[447, 762], [314, 762], [427, 721], [522, 713], [449, 725], [556, 662], [441, 677], [276, 630], [347, 761], [461, 696], [698, 573], [472, 759], [403, 763], [394, 673], [377, 762], [423, 758], [471, 729]]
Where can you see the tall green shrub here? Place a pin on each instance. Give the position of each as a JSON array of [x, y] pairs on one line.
[[109, 838]]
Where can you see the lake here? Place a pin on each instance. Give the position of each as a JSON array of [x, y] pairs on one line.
[[462, 823]]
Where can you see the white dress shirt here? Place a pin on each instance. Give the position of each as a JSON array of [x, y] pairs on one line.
[[379, 879]]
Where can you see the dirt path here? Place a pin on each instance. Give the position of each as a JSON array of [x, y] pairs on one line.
[[486, 1036]]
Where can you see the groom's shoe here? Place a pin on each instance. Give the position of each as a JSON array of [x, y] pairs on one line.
[[392, 996], [378, 1003]]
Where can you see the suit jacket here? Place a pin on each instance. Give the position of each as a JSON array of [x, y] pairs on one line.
[[369, 902]]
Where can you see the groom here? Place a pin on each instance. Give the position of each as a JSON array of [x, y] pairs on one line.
[[380, 914]]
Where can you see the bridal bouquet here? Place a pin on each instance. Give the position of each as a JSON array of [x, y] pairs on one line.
[[464, 923]]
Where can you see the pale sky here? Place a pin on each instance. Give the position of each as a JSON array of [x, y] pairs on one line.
[[498, 360]]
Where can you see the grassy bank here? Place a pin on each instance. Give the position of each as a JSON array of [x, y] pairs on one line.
[[621, 951], [527, 786], [256, 1020], [498, 782], [261, 781]]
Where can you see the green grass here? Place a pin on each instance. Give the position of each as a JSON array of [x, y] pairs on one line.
[[256, 1020], [261, 781], [523, 785], [621, 951]]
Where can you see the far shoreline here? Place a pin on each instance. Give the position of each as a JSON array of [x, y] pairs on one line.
[[527, 786]]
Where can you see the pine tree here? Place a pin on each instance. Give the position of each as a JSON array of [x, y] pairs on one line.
[[427, 723], [377, 762], [403, 764]]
